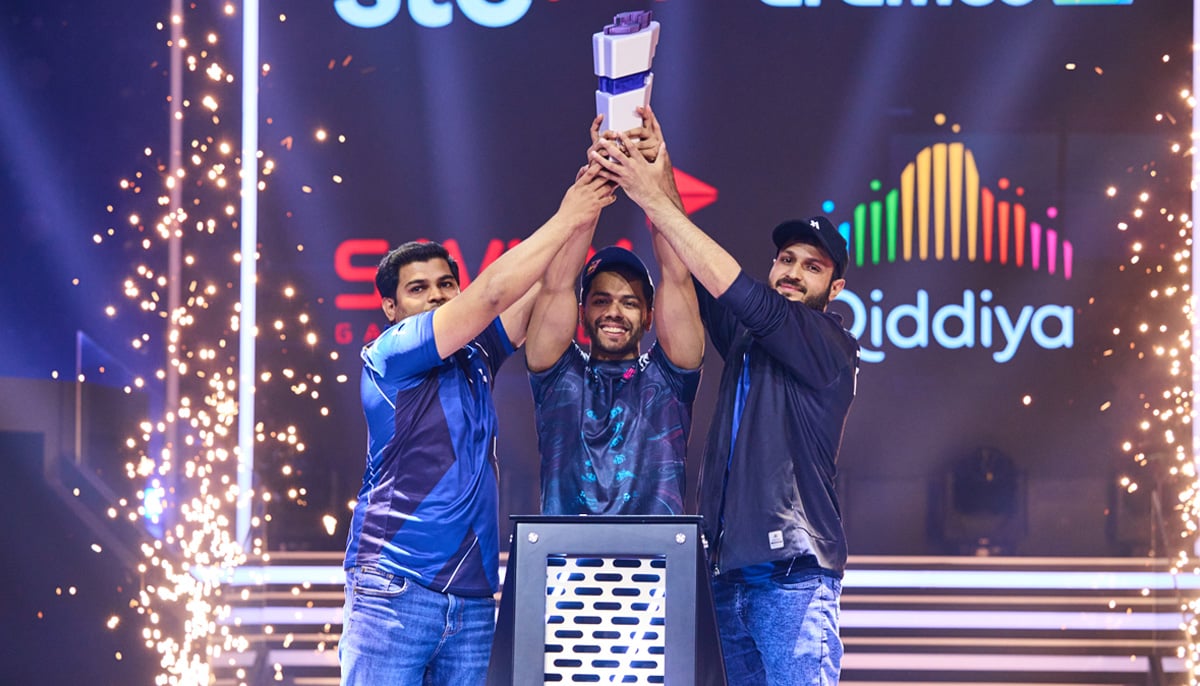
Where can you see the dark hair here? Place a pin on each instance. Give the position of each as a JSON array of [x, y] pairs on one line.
[[387, 276]]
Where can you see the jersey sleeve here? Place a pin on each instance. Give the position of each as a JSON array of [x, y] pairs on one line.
[[494, 342], [718, 320], [685, 382], [404, 351], [541, 382]]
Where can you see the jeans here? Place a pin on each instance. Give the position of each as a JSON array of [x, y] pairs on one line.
[[780, 632], [396, 632]]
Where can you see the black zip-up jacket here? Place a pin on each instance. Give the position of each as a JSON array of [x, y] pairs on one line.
[[775, 493]]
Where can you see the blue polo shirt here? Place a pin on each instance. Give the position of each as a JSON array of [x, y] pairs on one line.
[[429, 504]]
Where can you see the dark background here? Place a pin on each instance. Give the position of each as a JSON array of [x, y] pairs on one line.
[[471, 134]]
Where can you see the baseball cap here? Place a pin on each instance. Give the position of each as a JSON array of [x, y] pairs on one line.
[[818, 230], [606, 259]]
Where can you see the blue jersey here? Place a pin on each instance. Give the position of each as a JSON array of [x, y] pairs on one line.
[[429, 504], [613, 434]]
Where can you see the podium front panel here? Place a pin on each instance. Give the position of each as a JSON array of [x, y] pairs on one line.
[[606, 600]]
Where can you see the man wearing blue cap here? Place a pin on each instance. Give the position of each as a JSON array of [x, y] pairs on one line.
[[613, 423], [767, 482]]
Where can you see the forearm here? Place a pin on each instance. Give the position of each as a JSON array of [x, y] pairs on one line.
[[651, 186], [555, 313], [516, 318], [514, 272], [677, 312], [563, 272], [712, 266], [500, 286]]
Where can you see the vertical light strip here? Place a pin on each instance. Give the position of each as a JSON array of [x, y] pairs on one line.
[[972, 193], [174, 259], [924, 162], [1195, 253], [249, 268], [907, 208], [956, 200], [939, 200]]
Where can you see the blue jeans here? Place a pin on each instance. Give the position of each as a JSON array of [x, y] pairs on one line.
[[396, 632], [780, 632]]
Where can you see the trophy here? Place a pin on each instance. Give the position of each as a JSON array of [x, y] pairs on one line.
[[622, 54]]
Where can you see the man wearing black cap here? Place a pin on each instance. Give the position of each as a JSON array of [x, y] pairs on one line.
[[613, 423], [767, 482]]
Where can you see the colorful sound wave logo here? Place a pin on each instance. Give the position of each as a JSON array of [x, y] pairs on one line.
[[942, 211], [941, 203]]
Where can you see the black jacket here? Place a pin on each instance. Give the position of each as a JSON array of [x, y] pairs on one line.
[[774, 498]]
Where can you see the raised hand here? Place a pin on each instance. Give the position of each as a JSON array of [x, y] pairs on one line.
[[590, 193], [641, 179]]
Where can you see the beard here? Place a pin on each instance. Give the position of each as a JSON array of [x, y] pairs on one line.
[[609, 349], [817, 301]]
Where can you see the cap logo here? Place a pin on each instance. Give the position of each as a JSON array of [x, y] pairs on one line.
[[592, 266], [815, 224]]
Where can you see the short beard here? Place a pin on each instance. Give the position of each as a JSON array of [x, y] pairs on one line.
[[631, 349], [819, 301]]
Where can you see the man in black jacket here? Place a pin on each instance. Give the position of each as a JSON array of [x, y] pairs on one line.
[[771, 514]]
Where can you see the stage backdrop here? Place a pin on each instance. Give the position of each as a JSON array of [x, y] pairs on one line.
[[964, 147]]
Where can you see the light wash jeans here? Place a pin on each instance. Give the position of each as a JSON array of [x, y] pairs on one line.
[[780, 632], [396, 632]]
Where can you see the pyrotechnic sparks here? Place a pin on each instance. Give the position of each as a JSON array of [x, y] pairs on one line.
[[184, 464], [1160, 227]]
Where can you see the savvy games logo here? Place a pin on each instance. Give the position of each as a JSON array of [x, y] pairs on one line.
[[941, 211], [355, 261]]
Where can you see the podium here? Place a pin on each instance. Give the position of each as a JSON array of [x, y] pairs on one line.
[[611, 599]]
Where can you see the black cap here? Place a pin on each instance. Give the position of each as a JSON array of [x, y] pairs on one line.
[[605, 260], [818, 230]]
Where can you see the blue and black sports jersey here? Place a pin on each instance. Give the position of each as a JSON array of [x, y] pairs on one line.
[[613, 434], [429, 504]]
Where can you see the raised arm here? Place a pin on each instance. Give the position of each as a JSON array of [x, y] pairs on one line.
[[508, 278], [680, 331], [676, 311], [555, 314], [646, 183], [516, 317]]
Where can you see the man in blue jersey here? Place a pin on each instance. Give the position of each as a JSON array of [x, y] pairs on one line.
[[423, 552], [613, 423], [767, 482]]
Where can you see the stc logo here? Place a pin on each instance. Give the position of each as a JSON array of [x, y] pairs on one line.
[[497, 13], [942, 211], [432, 13]]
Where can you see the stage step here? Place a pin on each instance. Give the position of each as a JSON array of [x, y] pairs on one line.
[[934, 620]]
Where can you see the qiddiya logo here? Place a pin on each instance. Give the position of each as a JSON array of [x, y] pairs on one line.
[[971, 323]]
